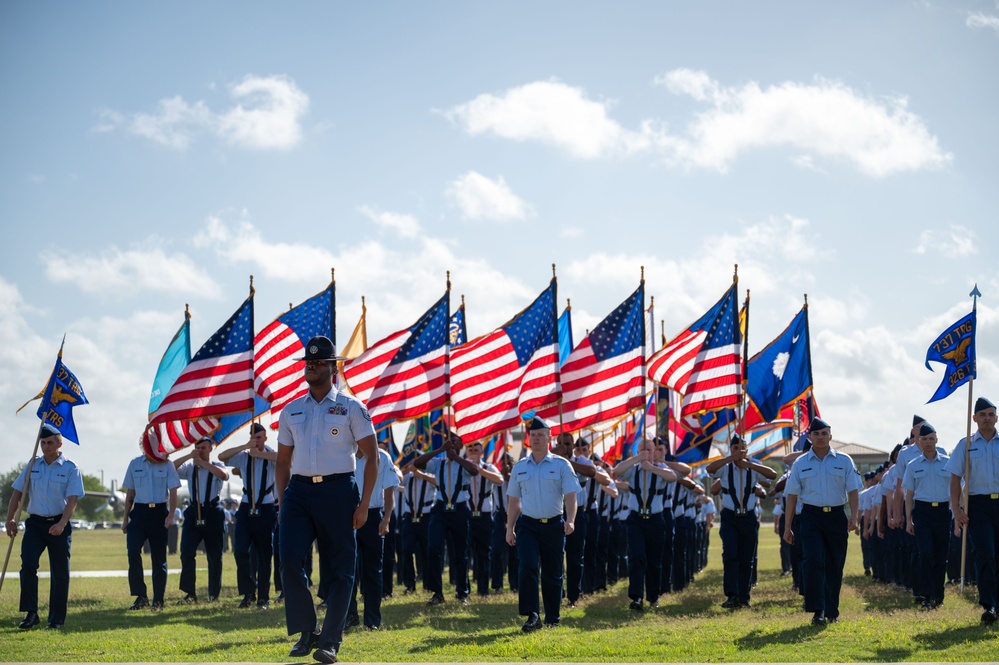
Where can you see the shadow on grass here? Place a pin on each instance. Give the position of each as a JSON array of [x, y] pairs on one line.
[[943, 639], [204, 616], [880, 597], [757, 639]]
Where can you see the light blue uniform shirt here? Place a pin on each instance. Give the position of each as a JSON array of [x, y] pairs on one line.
[[324, 433], [386, 478], [480, 491], [418, 495], [452, 480], [205, 481], [51, 485], [152, 482], [584, 483], [823, 482], [928, 480], [541, 487], [740, 482], [257, 474], [646, 494], [984, 477], [906, 455], [501, 499]]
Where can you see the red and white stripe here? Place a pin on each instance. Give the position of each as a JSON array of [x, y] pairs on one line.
[[707, 379], [402, 390], [594, 391], [161, 439], [279, 379], [210, 387], [489, 388]]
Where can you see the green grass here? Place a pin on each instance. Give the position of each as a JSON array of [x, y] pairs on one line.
[[878, 624]]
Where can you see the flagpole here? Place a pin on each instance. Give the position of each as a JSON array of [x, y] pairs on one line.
[[557, 346], [967, 450], [741, 428]]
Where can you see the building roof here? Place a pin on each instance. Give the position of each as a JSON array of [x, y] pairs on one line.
[[859, 452]]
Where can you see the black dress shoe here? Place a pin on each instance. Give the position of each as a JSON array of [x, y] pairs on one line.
[[53, 626], [247, 602], [436, 599], [280, 598], [321, 606], [156, 605], [744, 604], [304, 645], [553, 624], [352, 620], [731, 603], [533, 623], [139, 603], [213, 599], [263, 604], [989, 616], [819, 619], [30, 621], [189, 599], [325, 655], [637, 605]]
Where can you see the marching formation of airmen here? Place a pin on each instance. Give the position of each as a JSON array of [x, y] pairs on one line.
[[557, 525]]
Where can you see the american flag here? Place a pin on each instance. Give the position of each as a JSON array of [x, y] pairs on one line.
[[279, 378], [604, 376], [703, 363], [497, 377], [405, 375], [161, 439], [219, 379]]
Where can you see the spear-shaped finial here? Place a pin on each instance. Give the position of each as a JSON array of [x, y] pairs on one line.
[[806, 300], [448, 280], [553, 271], [568, 304], [252, 291], [643, 273], [462, 299], [333, 275]]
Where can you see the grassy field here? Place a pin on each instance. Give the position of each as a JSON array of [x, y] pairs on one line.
[[877, 623]]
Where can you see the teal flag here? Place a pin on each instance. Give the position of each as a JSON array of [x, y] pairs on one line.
[[564, 336], [176, 358]]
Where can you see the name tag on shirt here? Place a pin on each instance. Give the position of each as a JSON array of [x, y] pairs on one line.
[[808, 473], [976, 453]]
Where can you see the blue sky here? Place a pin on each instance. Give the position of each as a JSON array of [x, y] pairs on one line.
[[157, 155]]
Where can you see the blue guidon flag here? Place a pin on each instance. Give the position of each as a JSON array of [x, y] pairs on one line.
[[955, 348]]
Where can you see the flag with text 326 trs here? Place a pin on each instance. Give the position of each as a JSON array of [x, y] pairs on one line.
[[512, 370]]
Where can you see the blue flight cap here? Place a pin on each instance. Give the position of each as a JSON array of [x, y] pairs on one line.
[[538, 423], [48, 429], [983, 403], [927, 428], [917, 419], [817, 424]]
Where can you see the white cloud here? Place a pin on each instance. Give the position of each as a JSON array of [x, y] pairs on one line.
[[825, 118], [954, 243], [571, 232], [480, 198], [553, 113], [980, 20], [267, 116], [117, 273], [405, 226]]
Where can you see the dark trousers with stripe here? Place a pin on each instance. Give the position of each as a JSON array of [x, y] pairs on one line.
[[414, 549], [575, 544], [617, 552], [739, 534], [258, 531], [983, 532], [390, 550], [211, 532], [646, 534], [932, 526], [444, 523], [681, 533], [823, 543], [35, 541], [666, 565], [540, 553], [480, 536], [368, 570], [145, 523], [603, 551], [321, 512]]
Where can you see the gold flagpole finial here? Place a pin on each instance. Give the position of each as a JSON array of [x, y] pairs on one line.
[[806, 300], [568, 304], [252, 290], [448, 280], [643, 273], [333, 275], [462, 299], [553, 271], [364, 307]]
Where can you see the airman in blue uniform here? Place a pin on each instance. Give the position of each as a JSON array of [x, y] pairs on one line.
[[982, 516], [482, 505], [542, 485], [256, 518], [53, 491], [150, 503], [926, 483], [824, 481], [204, 519], [318, 436]]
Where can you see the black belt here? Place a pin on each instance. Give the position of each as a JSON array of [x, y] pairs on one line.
[[543, 520], [807, 508], [476, 514], [46, 518], [322, 479], [211, 504], [738, 512], [933, 504], [985, 497], [150, 505]]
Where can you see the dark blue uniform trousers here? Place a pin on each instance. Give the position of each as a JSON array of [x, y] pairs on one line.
[[36, 540], [145, 523], [575, 544], [680, 535], [646, 535], [480, 532], [212, 532], [368, 571], [504, 557], [258, 531], [983, 532], [414, 546], [739, 534], [932, 527], [666, 565], [322, 512], [823, 545], [540, 553], [445, 522]]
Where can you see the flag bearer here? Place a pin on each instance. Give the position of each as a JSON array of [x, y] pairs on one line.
[[55, 486], [823, 480], [204, 519], [149, 486], [482, 505], [927, 488], [982, 516]]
